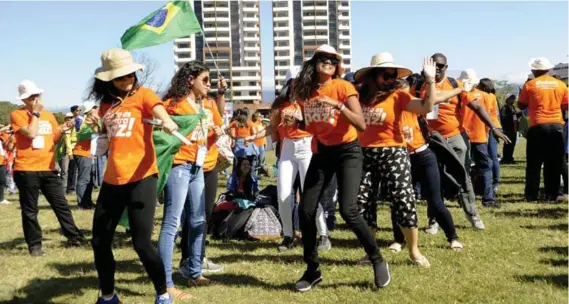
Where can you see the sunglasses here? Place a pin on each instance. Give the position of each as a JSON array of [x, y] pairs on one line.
[[205, 80], [125, 77], [388, 73], [324, 59], [441, 66]]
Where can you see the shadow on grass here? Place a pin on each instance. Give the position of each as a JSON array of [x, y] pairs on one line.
[[559, 281], [560, 227], [279, 259], [512, 180], [45, 290], [73, 269], [13, 244], [564, 251], [551, 213], [556, 263]]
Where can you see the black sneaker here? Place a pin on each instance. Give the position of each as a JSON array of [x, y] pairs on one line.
[[36, 251], [381, 274], [287, 243], [494, 205], [77, 242], [308, 280]]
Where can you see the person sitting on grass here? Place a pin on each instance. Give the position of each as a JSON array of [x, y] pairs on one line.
[[243, 184]]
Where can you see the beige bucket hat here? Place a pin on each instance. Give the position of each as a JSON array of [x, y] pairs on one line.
[[382, 61], [330, 50], [116, 63], [540, 64], [469, 76], [27, 88]]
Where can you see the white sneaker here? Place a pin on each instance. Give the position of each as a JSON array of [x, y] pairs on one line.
[[476, 222], [5, 202], [432, 229]]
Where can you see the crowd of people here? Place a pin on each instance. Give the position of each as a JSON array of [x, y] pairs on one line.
[[381, 133]]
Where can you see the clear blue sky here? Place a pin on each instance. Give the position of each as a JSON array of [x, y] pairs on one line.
[[58, 44]]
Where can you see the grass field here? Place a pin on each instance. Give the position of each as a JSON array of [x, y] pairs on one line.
[[520, 258]]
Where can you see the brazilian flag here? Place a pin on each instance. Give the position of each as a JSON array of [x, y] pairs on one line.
[[174, 20], [166, 147]]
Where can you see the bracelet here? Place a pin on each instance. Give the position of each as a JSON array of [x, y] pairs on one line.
[[340, 107], [221, 92]]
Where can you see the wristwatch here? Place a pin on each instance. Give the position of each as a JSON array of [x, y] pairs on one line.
[[36, 114]]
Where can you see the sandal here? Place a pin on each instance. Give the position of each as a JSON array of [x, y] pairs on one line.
[[179, 295], [421, 262], [395, 247], [201, 281]]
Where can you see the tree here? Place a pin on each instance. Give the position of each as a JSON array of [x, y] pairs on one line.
[[505, 89], [5, 109], [147, 77]]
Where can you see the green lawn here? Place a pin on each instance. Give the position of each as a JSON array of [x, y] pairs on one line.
[[520, 258]]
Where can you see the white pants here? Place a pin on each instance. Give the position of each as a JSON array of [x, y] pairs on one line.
[[295, 158]]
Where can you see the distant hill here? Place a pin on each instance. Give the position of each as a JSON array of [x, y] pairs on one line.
[[6, 108]]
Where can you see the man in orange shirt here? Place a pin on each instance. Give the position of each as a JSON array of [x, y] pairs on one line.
[[83, 160], [36, 132], [545, 97]]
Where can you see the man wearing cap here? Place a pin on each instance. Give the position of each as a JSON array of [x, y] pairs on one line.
[[545, 97], [36, 132], [69, 138], [82, 156]]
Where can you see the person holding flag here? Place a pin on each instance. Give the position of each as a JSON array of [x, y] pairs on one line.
[[130, 179], [184, 188]]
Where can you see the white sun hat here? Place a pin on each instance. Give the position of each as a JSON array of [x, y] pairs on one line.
[[69, 115], [116, 63], [382, 61], [27, 88], [469, 76], [88, 106], [540, 64], [330, 50], [292, 73]]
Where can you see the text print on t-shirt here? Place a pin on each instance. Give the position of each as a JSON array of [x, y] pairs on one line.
[[44, 127], [319, 112], [121, 124], [408, 134], [374, 116], [202, 127]]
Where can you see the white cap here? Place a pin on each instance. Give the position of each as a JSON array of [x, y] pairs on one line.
[[540, 64], [69, 115], [28, 88], [468, 75], [292, 73], [88, 105]]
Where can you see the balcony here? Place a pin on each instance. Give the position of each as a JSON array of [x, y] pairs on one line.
[[213, 19], [345, 47], [251, 29], [286, 57], [282, 48], [252, 48], [247, 88], [344, 37], [216, 29], [251, 39], [215, 9], [179, 50], [282, 38], [344, 18], [343, 8], [212, 39], [280, 9], [246, 68], [183, 40], [250, 9], [246, 78], [282, 67], [252, 58], [281, 29], [281, 18], [343, 27], [315, 27]]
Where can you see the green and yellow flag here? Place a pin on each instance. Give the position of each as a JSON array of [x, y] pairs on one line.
[[174, 20]]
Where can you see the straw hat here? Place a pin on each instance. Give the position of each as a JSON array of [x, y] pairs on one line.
[[540, 64], [27, 88], [116, 63], [469, 76], [382, 61], [330, 50]]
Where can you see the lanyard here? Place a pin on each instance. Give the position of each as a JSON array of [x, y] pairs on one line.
[[199, 110]]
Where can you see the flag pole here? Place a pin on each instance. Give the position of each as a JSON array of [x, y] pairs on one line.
[[207, 45]]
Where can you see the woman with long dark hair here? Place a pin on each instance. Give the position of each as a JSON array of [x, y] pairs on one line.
[[131, 176], [243, 183], [333, 115], [487, 86], [184, 190], [296, 152], [386, 158]]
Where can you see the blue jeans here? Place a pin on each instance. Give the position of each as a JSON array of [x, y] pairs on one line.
[[484, 163], [261, 158], [84, 185], [493, 152], [184, 192]]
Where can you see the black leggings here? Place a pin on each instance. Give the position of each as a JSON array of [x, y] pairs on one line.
[[140, 199], [210, 193], [345, 161]]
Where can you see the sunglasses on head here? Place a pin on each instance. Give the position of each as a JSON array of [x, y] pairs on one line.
[[324, 59], [123, 78]]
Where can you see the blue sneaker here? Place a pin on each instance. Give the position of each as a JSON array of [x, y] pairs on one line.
[[114, 300], [160, 300]]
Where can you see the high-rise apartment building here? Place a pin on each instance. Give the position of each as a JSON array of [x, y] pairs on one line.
[[232, 31], [299, 27]]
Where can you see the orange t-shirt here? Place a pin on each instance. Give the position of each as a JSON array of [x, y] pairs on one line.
[[494, 111], [412, 131], [202, 134], [259, 126], [324, 121], [241, 132], [447, 122], [131, 147], [3, 153], [30, 159], [545, 96], [82, 148], [472, 124], [291, 132], [383, 121]]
